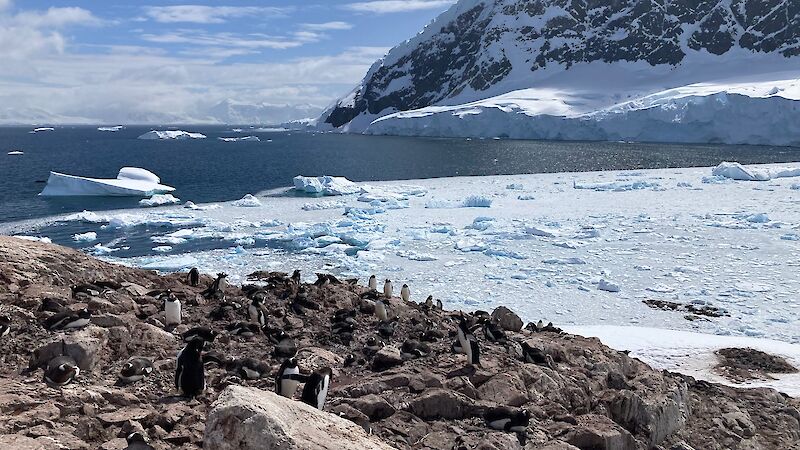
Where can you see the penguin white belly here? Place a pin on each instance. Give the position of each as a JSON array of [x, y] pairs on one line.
[[250, 373], [380, 311], [405, 293], [462, 340], [289, 386], [373, 284], [253, 312], [223, 283], [77, 323], [323, 392], [172, 311], [131, 378], [499, 424], [387, 290]]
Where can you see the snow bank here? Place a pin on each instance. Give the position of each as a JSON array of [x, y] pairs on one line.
[[240, 139], [131, 181], [325, 185], [171, 134], [159, 200], [692, 353], [736, 171], [248, 201]]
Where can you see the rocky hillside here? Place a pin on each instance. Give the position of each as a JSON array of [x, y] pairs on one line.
[[480, 49], [580, 394]]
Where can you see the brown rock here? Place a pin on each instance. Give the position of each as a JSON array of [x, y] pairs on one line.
[[441, 403], [505, 389], [387, 357], [374, 406], [507, 319], [84, 346], [122, 415], [600, 433]]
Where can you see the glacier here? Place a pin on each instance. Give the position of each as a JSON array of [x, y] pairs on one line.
[[130, 181]]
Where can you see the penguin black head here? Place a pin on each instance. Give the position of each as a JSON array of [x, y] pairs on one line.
[[195, 345], [291, 362], [222, 275], [349, 360], [85, 314], [405, 285], [388, 281]]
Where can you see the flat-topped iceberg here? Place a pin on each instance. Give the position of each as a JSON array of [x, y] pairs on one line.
[[325, 185], [131, 182], [40, 129], [171, 134], [240, 139], [111, 129]]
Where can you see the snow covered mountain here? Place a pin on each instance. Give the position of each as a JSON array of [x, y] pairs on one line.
[[238, 113], [651, 70]]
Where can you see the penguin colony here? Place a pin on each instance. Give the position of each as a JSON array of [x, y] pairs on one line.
[[247, 317]]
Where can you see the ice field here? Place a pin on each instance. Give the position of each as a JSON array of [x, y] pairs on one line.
[[577, 249]]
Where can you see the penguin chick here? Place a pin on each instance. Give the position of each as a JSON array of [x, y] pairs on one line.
[[134, 370]]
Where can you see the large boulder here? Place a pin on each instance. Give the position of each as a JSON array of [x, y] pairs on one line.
[[84, 346], [600, 433], [246, 418], [507, 319]]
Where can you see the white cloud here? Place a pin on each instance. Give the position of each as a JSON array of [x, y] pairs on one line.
[[38, 32], [208, 14], [397, 6], [327, 26], [249, 41], [5, 4], [57, 18]]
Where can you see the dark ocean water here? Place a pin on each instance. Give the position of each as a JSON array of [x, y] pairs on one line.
[[210, 170]]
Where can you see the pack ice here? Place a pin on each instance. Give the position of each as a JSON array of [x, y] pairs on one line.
[[131, 182]]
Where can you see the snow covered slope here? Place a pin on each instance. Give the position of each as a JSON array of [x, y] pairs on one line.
[[701, 71]]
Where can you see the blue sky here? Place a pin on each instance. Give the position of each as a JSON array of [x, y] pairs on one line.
[[169, 60]]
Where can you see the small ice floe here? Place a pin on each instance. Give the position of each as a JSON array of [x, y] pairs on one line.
[[790, 237], [41, 129], [515, 187], [170, 134], [45, 240], [248, 201], [526, 197], [162, 249], [319, 206], [175, 264], [195, 207], [616, 186], [757, 218], [736, 171], [564, 261], [414, 256], [160, 200], [85, 237], [481, 223], [15, 153], [113, 129], [130, 181], [240, 139], [501, 253], [470, 245], [100, 250], [540, 231], [325, 185], [608, 286], [477, 201]]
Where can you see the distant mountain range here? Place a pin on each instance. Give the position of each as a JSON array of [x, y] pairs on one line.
[[651, 70]]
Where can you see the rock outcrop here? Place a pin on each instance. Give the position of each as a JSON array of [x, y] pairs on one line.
[[583, 395]]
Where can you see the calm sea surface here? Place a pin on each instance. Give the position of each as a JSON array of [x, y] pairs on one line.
[[209, 170]]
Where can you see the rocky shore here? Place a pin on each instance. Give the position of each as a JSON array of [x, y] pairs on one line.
[[580, 393]]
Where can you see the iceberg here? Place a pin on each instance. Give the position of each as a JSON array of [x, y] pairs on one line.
[[15, 153], [159, 200], [38, 130], [171, 134], [325, 185], [130, 182], [240, 139], [111, 129]]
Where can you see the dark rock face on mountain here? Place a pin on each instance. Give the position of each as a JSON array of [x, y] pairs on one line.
[[477, 43]]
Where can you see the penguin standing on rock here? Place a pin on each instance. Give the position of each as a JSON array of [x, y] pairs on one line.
[[288, 378], [190, 377], [473, 351], [217, 288], [61, 370], [193, 278], [373, 283], [387, 288], [316, 389], [405, 293], [172, 311], [256, 312], [381, 311], [295, 278]]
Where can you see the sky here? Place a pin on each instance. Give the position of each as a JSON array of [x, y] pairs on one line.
[[109, 61]]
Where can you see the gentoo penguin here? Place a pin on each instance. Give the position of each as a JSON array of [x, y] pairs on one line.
[[316, 389], [504, 418], [193, 278], [190, 378], [204, 333], [243, 329], [533, 355], [5, 325], [428, 305], [464, 334], [86, 288], [387, 288], [286, 348], [68, 319], [216, 357], [493, 332], [439, 305], [373, 283], [136, 441], [473, 351], [274, 335], [405, 293], [386, 329], [217, 288], [249, 368], [381, 311], [172, 310], [373, 345], [134, 370], [256, 313], [61, 370], [288, 378], [295, 277], [412, 349]]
